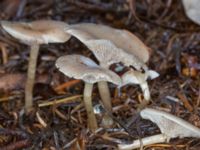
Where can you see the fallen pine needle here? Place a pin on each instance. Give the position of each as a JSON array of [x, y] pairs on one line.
[[77, 108], [4, 53], [185, 101], [108, 138], [164, 145], [41, 121], [4, 99], [61, 115], [70, 143], [64, 100], [67, 85]]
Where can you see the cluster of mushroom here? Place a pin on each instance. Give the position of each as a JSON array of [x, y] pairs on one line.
[[109, 45]]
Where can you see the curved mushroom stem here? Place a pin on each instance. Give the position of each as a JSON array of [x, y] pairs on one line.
[[88, 105], [104, 92], [160, 138], [145, 89], [31, 76], [105, 95]]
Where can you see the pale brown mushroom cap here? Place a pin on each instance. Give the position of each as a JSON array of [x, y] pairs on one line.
[[106, 52], [133, 77], [81, 67], [136, 77], [40, 32], [169, 124], [121, 38], [192, 10]]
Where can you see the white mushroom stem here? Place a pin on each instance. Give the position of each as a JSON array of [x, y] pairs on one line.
[[87, 97], [143, 142], [106, 99], [104, 92], [105, 95], [31, 76], [145, 89]]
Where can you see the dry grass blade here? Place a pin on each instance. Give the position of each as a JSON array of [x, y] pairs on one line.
[[7, 98], [4, 52], [185, 101], [164, 146], [60, 101], [42, 122]]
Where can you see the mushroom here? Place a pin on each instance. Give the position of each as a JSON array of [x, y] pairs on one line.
[[192, 10], [169, 125], [81, 67], [110, 46], [122, 39], [34, 34], [136, 77]]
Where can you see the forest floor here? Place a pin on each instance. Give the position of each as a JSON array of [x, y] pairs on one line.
[[175, 54]]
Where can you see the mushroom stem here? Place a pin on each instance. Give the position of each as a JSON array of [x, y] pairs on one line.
[[88, 105], [104, 92], [31, 75], [105, 95], [143, 142], [145, 89]]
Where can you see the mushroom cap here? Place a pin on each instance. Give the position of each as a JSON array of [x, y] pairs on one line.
[[111, 45], [136, 77], [121, 38], [169, 124], [81, 67], [192, 10], [133, 77], [40, 32]]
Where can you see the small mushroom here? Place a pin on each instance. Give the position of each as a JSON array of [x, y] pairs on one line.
[[34, 34], [192, 10], [110, 46], [169, 125], [81, 67], [136, 77]]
